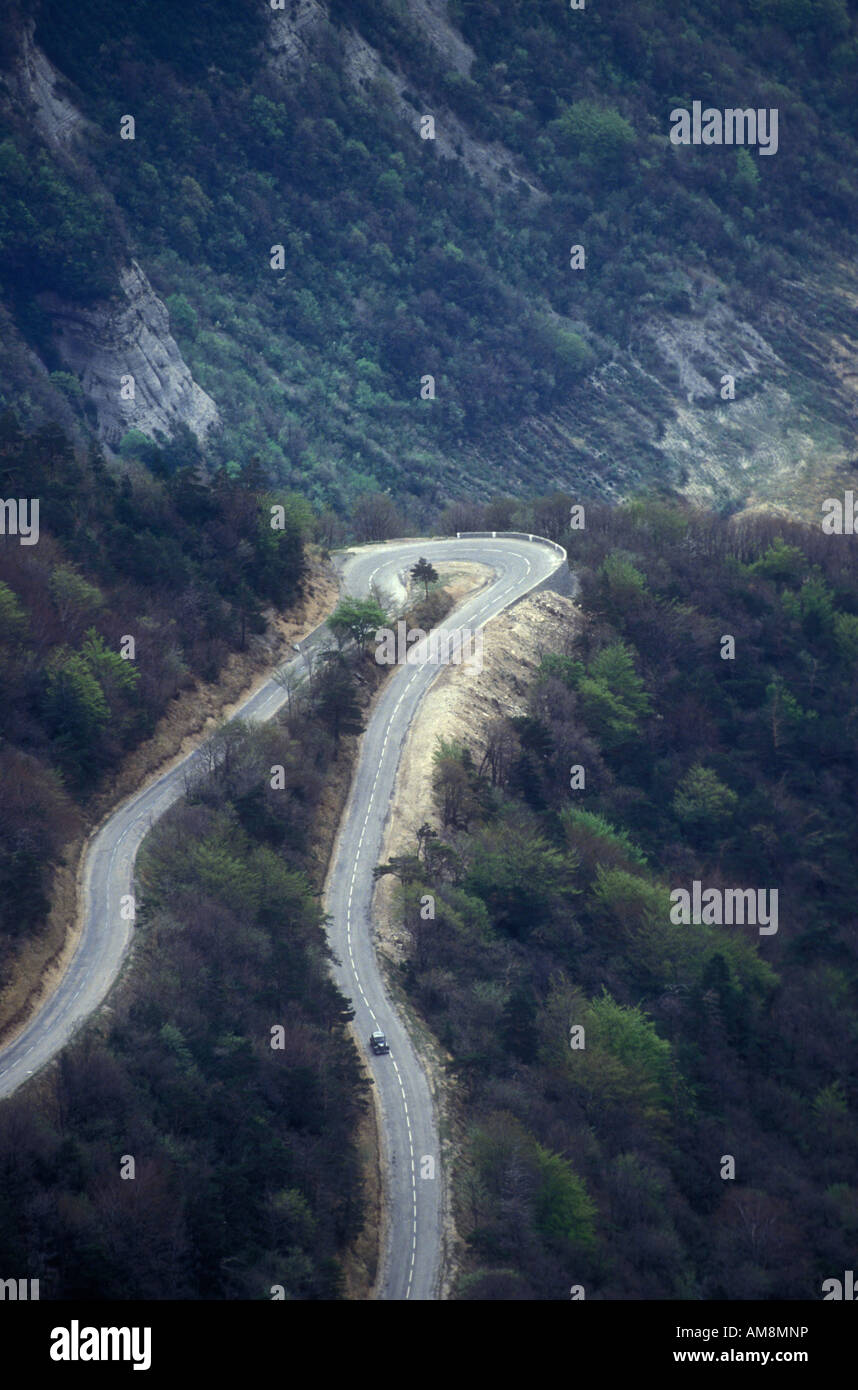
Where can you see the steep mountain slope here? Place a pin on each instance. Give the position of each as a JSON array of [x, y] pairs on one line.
[[337, 202]]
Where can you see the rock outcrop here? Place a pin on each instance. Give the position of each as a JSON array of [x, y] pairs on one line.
[[35, 84], [128, 362], [121, 349], [294, 37]]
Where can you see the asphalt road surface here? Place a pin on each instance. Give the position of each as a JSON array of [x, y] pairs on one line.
[[411, 1265]]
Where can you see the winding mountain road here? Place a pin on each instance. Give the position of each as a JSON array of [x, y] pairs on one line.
[[411, 1267], [411, 1263]]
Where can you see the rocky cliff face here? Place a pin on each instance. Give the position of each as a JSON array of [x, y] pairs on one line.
[[653, 414], [295, 39], [121, 349], [35, 84], [128, 362], [766, 444]]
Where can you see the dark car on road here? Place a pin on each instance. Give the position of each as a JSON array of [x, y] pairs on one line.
[[378, 1042]]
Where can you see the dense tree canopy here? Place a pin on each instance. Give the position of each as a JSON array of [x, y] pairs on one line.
[[606, 1058]]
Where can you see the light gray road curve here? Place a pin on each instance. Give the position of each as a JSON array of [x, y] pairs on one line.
[[107, 889], [414, 1202]]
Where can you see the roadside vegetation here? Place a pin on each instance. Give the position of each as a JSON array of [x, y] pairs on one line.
[[222, 1066], [601, 1165], [187, 566]]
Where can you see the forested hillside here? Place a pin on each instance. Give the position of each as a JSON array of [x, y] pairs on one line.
[[404, 257], [183, 565], [222, 1066], [246, 1173], [401, 267], [596, 1158]]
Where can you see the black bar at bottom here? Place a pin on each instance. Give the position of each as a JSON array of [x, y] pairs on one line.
[[256, 1339]]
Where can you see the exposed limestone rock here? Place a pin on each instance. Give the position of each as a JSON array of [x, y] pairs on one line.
[[35, 84], [697, 351], [295, 29], [363, 67], [292, 35], [292, 39], [130, 336], [431, 17], [651, 415], [662, 389]]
